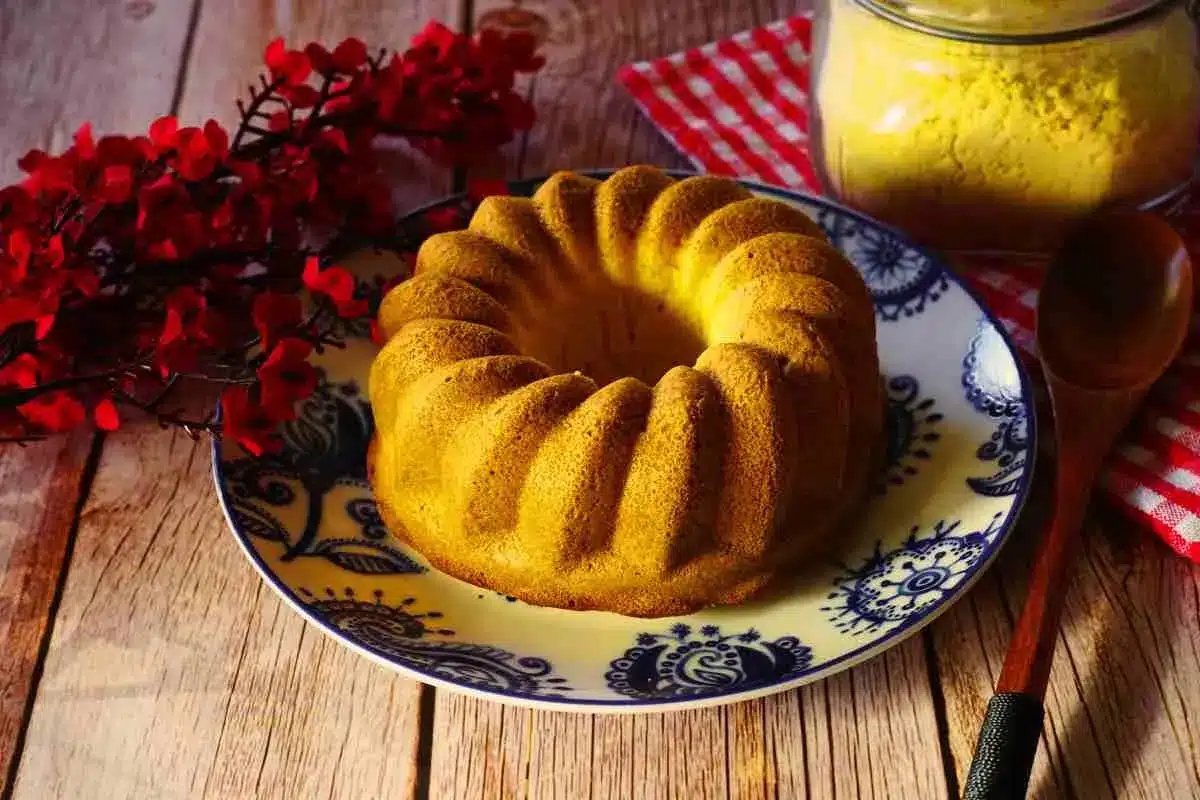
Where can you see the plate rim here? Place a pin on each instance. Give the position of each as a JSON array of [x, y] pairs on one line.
[[661, 705]]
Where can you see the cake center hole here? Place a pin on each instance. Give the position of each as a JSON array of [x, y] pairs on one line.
[[608, 332]]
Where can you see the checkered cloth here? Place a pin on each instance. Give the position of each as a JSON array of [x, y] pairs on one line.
[[739, 107]]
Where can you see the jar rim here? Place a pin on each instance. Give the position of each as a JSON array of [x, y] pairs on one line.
[[982, 34]]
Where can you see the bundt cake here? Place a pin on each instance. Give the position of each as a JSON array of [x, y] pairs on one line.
[[539, 430]]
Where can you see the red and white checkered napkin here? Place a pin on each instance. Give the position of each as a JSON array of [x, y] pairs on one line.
[[739, 107]]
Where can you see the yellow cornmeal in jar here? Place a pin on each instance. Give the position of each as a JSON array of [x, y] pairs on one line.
[[971, 145]]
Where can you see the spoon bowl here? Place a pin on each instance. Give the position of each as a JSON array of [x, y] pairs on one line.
[[1115, 304]]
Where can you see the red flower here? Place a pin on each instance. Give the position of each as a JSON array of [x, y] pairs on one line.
[[21, 372], [20, 249], [446, 218], [349, 55], [54, 253], [168, 252], [106, 416], [55, 411], [168, 225], [44, 324], [199, 152], [246, 422], [287, 377], [218, 139], [190, 328], [435, 36], [116, 183], [290, 66], [302, 96], [85, 147], [335, 283], [273, 313], [518, 113], [163, 250], [17, 310], [342, 94], [47, 174], [120, 150], [184, 308], [17, 207], [85, 280], [163, 132], [332, 138], [279, 121], [479, 188], [319, 58], [159, 204], [249, 173]]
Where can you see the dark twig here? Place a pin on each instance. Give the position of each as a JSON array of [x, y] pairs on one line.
[[256, 102]]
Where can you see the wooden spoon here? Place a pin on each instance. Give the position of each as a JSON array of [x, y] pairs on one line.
[[1113, 312]]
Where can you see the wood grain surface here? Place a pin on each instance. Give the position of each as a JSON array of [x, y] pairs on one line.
[[142, 657]]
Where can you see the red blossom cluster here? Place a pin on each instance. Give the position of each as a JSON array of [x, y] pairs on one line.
[[130, 263]]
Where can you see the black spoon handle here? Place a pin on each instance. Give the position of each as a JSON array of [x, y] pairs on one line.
[[1007, 744]]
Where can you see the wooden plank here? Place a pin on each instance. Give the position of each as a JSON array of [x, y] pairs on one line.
[[37, 509], [173, 669], [879, 722], [71, 61], [865, 733], [49, 85], [585, 119], [1126, 678], [868, 733]]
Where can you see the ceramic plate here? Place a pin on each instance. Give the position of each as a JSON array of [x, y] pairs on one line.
[[961, 447]]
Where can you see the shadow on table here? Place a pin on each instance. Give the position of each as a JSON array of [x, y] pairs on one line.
[[1123, 626]]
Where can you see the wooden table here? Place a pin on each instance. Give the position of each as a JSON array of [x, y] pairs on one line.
[[143, 657]]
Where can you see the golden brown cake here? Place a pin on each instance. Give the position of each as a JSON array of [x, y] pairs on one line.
[[640, 395]]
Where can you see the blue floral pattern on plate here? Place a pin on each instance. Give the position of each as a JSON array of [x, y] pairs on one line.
[[306, 518], [912, 430], [685, 662], [996, 392], [894, 588], [903, 280], [400, 635]]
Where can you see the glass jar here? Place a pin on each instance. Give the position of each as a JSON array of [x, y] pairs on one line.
[[993, 124]]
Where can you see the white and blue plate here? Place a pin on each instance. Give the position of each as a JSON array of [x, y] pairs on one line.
[[961, 445]]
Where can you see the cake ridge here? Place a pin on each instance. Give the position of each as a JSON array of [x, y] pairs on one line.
[[514, 225], [496, 448], [676, 212], [761, 438], [622, 203], [565, 205], [611, 422], [685, 413], [477, 260]]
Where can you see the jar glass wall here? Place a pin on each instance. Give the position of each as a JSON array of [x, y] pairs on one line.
[[999, 144]]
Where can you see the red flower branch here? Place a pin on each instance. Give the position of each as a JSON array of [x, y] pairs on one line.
[[131, 263]]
